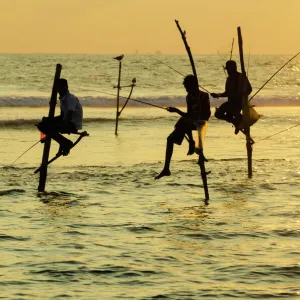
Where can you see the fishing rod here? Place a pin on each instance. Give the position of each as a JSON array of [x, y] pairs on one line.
[[273, 76], [231, 49], [277, 133], [177, 72], [248, 62], [230, 57], [25, 152], [147, 103]]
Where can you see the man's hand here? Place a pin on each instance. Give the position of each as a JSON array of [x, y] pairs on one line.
[[214, 95], [172, 109]]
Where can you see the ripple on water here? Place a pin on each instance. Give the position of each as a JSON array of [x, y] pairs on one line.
[[12, 192], [4, 237], [287, 232]]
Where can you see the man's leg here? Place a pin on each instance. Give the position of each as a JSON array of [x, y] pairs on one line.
[[191, 142], [176, 137], [64, 144], [237, 117], [169, 153], [223, 112], [53, 129], [183, 127]]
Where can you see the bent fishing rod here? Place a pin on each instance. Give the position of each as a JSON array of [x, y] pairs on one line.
[[273, 76]]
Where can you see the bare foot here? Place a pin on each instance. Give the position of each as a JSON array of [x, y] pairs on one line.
[[163, 173], [65, 148], [191, 148]]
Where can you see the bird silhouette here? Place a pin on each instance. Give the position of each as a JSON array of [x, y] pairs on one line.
[[133, 80], [119, 57]]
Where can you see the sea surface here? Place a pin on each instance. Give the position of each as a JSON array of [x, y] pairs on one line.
[[105, 229]]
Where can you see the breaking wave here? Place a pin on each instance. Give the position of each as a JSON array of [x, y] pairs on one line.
[[160, 101]]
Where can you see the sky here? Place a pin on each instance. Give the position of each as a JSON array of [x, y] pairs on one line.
[[147, 26]]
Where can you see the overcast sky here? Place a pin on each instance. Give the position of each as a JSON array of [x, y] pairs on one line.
[[147, 26]]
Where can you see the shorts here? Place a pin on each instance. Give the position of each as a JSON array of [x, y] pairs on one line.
[[183, 126], [56, 125]]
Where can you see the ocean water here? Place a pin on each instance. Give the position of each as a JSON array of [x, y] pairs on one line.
[[26, 80], [105, 229]]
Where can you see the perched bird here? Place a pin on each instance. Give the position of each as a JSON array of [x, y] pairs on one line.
[[133, 80], [119, 57]]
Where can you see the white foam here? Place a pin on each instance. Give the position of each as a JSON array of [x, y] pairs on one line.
[[164, 101]]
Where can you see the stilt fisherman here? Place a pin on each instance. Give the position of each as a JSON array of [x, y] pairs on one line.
[[198, 108], [230, 110], [69, 120]]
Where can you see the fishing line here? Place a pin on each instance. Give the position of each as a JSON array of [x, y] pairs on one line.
[[24, 152], [177, 72], [167, 65], [277, 133], [147, 103]]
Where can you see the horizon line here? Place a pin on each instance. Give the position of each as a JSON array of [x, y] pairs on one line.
[[132, 54]]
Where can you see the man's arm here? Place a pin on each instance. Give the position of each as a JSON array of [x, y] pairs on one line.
[[220, 95], [59, 117], [224, 94], [174, 109]]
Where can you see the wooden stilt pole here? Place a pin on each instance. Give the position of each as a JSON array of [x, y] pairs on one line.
[[119, 58], [246, 114], [52, 104], [201, 163], [201, 160]]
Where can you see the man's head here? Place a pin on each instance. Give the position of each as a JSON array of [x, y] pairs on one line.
[[190, 83], [62, 86], [231, 67]]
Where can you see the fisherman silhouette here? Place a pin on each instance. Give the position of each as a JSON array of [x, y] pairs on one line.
[[198, 108], [69, 120], [235, 88]]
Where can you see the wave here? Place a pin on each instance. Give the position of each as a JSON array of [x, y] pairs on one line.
[[89, 101], [32, 122]]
